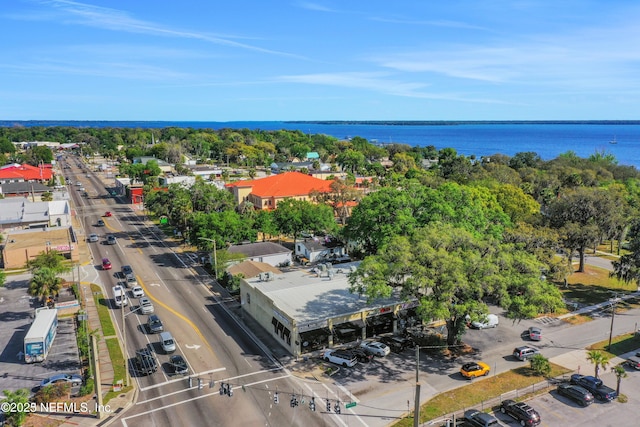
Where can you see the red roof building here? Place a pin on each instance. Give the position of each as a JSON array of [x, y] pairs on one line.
[[25, 172], [266, 193]]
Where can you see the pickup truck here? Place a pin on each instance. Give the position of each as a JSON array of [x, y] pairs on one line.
[[595, 386]]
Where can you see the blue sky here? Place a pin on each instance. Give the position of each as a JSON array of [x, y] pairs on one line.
[[319, 60]]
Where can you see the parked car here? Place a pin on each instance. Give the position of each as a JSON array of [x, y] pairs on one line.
[[595, 386], [93, 238], [522, 412], [525, 352], [361, 354], [100, 223], [146, 306], [576, 393], [341, 358], [634, 361], [376, 348], [491, 321], [178, 365], [398, 344], [111, 239], [535, 333], [154, 324], [106, 264], [72, 379], [480, 419], [475, 369], [137, 291], [146, 363]]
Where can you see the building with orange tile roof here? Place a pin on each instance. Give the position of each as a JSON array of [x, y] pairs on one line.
[[266, 193], [25, 172]]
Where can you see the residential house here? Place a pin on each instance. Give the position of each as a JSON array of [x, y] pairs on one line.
[[250, 269], [265, 252], [164, 166], [23, 189], [320, 249]]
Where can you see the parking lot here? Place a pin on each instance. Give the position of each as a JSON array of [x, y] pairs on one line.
[[17, 309]]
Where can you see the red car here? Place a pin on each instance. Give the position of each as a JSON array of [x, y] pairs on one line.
[[106, 264], [107, 213]]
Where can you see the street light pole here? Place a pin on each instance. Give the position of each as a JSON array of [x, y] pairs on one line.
[[613, 316]]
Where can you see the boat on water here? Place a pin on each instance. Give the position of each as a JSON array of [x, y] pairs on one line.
[[613, 141]]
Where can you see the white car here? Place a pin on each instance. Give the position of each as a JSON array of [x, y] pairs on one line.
[[339, 357], [146, 306], [93, 238], [376, 348], [137, 292]]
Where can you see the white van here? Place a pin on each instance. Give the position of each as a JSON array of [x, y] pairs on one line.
[[491, 321], [119, 296], [167, 342]]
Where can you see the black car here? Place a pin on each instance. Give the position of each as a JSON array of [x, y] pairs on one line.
[[361, 354], [178, 365], [525, 414], [100, 223], [155, 324], [398, 344], [126, 269], [576, 393], [146, 364]]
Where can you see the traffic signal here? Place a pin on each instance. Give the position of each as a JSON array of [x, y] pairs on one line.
[[328, 405], [336, 408], [276, 399], [223, 390], [312, 404], [229, 390]]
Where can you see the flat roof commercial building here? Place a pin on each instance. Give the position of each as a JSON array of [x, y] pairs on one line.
[[307, 310]]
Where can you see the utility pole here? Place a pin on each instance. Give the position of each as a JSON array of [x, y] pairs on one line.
[[613, 316], [416, 408]]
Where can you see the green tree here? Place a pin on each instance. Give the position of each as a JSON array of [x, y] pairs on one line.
[[294, 216], [627, 268], [6, 147], [53, 260], [620, 373], [44, 283], [351, 160], [598, 359], [18, 399], [39, 154], [47, 196], [540, 365]]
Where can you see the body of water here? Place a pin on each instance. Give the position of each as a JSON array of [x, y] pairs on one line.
[[547, 139]]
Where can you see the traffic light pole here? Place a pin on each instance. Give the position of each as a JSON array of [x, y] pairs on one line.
[[416, 408]]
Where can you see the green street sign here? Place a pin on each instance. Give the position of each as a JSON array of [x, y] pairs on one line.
[[350, 405]]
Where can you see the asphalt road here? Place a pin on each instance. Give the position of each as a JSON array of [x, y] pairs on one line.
[[216, 347]]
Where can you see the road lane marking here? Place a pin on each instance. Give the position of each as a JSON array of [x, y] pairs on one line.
[[178, 380]]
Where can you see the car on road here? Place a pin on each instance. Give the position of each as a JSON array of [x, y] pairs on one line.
[[595, 385], [78, 184], [93, 238], [520, 411], [137, 292], [155, 324], [73, 379], [111, 239], [525, 352], [341, 358], [107, 213], [576, 393], [120, 296], [535, 333], [130, 280], [106, 264], [178, 365], [146, 306], [480, 419], [100, 223], [167, 342], [146, 363], [126, 269], [475, 369], [376, 348]]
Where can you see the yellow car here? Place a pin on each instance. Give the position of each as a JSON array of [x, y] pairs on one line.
[[474, 369]]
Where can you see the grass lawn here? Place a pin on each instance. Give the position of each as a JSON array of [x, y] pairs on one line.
[[119, 372], [594, 286], [479, 391], [103, 311], [619, 345]]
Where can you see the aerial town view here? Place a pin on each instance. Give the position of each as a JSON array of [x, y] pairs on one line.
[[317, 215]]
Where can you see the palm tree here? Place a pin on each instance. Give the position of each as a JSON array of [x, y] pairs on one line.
[[44, 283], [620, 374], [599, 360]]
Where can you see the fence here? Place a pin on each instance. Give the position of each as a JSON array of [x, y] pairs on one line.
[[494, 402]]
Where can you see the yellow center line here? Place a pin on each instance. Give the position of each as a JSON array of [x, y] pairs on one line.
[[189, 322]]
